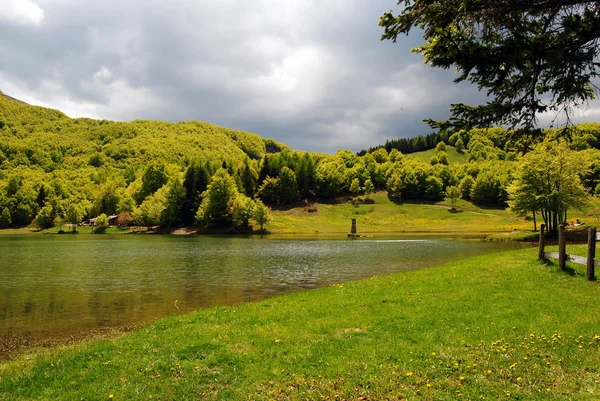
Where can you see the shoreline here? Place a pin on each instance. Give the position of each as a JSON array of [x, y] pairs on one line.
[[430, 333]]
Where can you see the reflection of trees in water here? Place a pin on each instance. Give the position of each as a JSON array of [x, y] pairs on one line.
[[88, 283]]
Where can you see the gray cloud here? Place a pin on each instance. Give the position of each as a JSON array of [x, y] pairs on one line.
[[309, 73]]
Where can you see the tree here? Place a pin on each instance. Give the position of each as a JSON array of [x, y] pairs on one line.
[[465, 186], [102, 221], [548, 181], [249, 178], [433, 188], [288, 186], [154, 178], [195, 182], [489, 189], [306, 175], [151, 209], [241, 209], [5, 218], [214, 209], [440, 147], [330, 178], [460, 145], [453, 193], [73, 216], [41, 197], [108, 198], [530, 56], [45, 218], [269, 190], [174, 203], [369, 188], [443, 158], [395, 186], [355, 186], [261, 214], [124, 219]]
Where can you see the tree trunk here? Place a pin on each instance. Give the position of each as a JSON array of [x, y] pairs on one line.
[[534, 222], [555, 222]]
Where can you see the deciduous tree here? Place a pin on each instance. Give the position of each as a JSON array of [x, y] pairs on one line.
[[548, 181]]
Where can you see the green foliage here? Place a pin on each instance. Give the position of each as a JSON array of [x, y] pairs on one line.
[[465, 186], [73, 215], [369, 188], [261, 214], [106, 167], [45, 218], [214, 209], [287, 186], [241, 210], [440, 147], [395, 186], [96, 160], [434, 189], [195, 182], [548, 181], [102, 221], [107, 200], [460, 145], [489, 189], [355, 186], [269, 190], [453, 193], [5, 218], [154, 178], [330, 178], [151, 210], [442, 158], [508, 49], [306, 175], [174, 203]]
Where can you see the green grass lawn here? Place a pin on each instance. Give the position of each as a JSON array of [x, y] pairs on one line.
[[454, 157], [501, 326], [385, 216]]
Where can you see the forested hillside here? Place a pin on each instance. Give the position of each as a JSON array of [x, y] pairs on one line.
[[57, 169]]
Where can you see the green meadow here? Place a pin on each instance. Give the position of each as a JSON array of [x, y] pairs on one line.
[[498, 327]]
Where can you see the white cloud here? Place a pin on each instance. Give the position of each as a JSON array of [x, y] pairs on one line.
[[24, 12]]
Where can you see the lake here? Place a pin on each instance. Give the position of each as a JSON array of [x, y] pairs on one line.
[[52, 286]]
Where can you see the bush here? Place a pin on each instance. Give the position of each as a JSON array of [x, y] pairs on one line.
[[465, 186], [45, 218], [488, 190]]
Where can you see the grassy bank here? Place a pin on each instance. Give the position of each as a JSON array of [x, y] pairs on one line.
[[498, 326], [385, 216]]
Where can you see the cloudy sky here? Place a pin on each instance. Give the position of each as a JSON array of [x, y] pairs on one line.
[[310, 73]]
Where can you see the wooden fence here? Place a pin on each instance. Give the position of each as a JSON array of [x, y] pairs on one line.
[[563, 256]]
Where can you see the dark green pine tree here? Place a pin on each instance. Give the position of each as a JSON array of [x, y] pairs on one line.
[[41, 197], [195, 182]]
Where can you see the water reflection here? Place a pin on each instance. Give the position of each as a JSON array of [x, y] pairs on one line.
[[62, 284]]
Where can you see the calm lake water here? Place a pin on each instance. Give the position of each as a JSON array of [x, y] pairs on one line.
[[60, 285]]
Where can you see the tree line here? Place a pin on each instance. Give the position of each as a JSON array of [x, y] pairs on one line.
[[54, 169]]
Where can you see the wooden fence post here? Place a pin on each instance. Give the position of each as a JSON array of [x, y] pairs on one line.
[[542, 242], [591, 253], [562, 247]]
